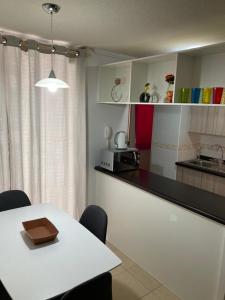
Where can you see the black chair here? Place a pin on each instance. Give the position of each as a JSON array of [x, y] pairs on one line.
[[95, 219], [98, 288], [3, 293], [13, 199]]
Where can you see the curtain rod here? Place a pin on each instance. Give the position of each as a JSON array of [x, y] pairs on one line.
[[26, 44]]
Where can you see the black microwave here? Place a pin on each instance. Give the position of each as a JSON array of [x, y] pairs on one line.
[[117, 160]]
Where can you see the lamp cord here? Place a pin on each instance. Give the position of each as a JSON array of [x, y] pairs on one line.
[[51, 41]]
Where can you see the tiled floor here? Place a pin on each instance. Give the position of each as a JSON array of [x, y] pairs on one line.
[[130, 282]]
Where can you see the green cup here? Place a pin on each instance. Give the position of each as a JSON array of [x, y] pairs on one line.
[[184, 95]]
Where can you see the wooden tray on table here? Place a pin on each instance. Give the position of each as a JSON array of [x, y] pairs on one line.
[[40, 230]]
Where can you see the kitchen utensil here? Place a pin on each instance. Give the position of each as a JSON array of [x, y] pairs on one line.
[[195, 95], [217, 94], [184, 95], [206, 95]]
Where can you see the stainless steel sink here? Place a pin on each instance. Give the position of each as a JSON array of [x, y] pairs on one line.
[[205, 164]]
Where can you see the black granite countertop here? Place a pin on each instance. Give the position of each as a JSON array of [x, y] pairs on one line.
[[199, 201]]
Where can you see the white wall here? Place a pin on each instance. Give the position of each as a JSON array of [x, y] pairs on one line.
[[100, 115], [171, 141], [165, 136]]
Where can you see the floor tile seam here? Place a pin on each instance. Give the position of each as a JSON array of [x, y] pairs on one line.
[[160, 284], [151, 292]]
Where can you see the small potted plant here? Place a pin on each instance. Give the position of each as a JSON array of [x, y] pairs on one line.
[[169, 78]]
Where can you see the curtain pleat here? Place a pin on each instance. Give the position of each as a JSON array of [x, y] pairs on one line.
[[43, 134]]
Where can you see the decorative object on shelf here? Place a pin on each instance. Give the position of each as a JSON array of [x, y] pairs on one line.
[[154, 98], [184, 95], [217, 94], [116, 93], [223, 97], [169, 78], [195, 95], [145, 96], [206, 95], [52, 83]]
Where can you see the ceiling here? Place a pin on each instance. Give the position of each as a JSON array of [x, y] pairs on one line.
[[132, 27]]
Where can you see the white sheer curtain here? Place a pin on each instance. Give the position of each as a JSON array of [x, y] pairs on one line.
[[43, 134]]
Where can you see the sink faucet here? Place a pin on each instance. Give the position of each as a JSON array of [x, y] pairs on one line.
[[220, 160], [198, 152]]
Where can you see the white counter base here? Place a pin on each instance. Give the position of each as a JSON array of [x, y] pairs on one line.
[[183, 250]]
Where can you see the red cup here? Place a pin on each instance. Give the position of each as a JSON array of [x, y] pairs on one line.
[[217, 94]]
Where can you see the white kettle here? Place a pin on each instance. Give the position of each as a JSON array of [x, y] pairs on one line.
[[120, 140]]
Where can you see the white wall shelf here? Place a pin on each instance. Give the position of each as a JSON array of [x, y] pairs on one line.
[[200, 67], [168, 104]]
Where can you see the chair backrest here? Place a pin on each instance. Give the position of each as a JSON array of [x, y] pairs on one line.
[[95, 219], [3, 293], [13, 199], [97, 288]]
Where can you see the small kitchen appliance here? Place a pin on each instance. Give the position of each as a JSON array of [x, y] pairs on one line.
[[120, 160], [120, 140]]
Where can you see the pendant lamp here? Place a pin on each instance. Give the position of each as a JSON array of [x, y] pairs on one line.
[[52, 83]]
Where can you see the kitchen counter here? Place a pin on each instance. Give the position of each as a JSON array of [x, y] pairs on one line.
[[194, 199]]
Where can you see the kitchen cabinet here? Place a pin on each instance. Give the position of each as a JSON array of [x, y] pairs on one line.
[[190, 176], [197, 123], [208, 182], [208, 120], [200, 67], [220, 121], [219, 185], [161, 236]]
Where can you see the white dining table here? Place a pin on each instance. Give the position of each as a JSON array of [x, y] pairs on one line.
[[40, 272]]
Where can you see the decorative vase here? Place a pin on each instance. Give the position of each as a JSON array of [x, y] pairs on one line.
[[145, 96], [169, 78], [169, 94]]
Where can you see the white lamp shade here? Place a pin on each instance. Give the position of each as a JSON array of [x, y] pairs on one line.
[[52, 83]]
